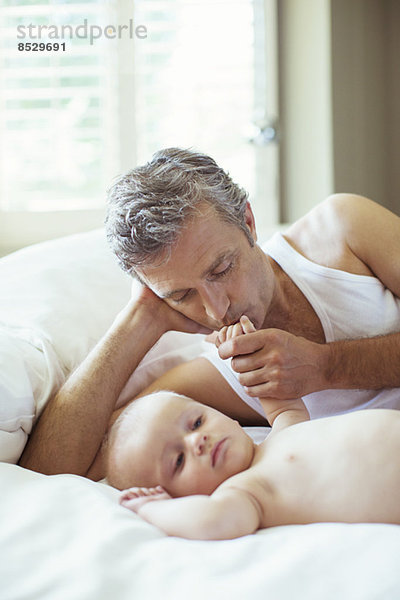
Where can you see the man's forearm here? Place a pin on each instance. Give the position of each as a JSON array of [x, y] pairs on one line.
[[370, 363], [72, 426]]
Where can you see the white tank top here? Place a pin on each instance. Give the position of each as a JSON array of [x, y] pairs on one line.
[[349, 306]]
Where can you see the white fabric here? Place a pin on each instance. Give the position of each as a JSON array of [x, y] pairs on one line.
[[349, 306], [258, 434], [224, 367], [56, 300], [65, 537], [67, 291], [17, 407], [172, 349]]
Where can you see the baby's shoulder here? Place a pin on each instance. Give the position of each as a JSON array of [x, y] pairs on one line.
[[253, 480]]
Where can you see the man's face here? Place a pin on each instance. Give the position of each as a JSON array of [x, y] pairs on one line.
[[213, 275], [186, 447]]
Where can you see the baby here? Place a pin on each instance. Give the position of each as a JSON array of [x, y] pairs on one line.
[[198, 474]]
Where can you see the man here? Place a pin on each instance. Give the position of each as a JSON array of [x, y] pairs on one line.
[[187, 232]]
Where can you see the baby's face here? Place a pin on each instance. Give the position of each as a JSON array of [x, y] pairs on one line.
[[186, 447]]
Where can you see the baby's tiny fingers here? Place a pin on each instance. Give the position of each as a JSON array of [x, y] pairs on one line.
[[221, 336], [229, 332], [247, 325], [126, 496], [133, 491], [237, 330]]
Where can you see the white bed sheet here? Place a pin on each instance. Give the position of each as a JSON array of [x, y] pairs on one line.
[[66, 538]]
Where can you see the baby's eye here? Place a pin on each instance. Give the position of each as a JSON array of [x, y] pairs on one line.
[[179, 461], [197, 423]]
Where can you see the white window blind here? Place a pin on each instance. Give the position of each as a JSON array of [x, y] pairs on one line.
[[57, 114], [204, 77]]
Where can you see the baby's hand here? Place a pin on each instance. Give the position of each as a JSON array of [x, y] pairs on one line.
[[135, 497], [226, 333]]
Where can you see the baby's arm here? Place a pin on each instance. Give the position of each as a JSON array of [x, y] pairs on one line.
[[228, 513], [280, 413]]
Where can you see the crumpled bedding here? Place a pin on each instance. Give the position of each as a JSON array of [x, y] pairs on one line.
[[64, 537]]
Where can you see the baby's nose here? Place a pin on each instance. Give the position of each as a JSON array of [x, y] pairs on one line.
[[199, 443]]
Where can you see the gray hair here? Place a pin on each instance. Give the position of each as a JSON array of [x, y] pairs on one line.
[[149, 205]]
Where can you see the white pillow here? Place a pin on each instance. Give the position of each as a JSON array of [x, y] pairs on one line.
[[67, 291], [57, 299], [17, 406]]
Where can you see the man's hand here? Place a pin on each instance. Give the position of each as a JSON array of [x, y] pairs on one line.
[[228, 333], [134, 498], [273, 363], [168, 318]]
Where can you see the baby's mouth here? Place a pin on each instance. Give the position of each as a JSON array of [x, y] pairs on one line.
[[216, 451]]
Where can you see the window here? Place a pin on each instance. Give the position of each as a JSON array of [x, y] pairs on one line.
[[206, 78], [56, 111], [202, 75]]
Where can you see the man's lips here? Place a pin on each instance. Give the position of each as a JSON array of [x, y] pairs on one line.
[[216, 451]]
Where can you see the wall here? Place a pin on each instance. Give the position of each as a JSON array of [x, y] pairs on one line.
[[340, 101], [361, 58], [23, 229], [305, 105], [393, 127]]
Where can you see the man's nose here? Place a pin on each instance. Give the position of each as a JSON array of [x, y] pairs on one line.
[[198, 442], [215, 302]]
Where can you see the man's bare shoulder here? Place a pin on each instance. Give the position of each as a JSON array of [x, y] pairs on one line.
[[324, 234]]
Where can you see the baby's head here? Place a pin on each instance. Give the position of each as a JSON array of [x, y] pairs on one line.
[[171, 440]]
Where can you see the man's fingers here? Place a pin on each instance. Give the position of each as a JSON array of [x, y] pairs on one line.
[[267, 390], [250, 378], [241, 344]]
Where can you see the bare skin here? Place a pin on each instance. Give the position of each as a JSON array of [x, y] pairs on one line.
[[207, 480], [343, 233], [213, 277]]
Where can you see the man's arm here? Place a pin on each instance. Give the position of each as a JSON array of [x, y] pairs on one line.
[[372, 235], [228, 513], [276, 364], [279, 413], [71, 428]]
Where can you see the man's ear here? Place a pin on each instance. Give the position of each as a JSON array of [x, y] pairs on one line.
[[250, 221]]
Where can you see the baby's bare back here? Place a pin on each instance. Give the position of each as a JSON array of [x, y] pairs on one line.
[[344, 468]]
